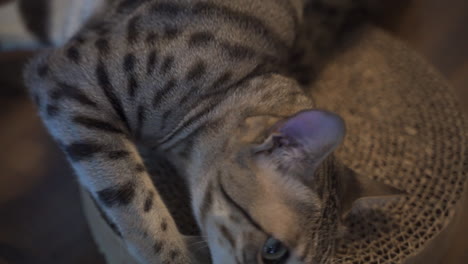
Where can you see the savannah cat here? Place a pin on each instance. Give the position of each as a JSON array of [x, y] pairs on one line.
[[208, 86]]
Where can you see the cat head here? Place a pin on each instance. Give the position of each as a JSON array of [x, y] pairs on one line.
[[279, 194]]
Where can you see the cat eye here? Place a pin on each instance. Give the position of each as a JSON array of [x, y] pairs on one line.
[[274, 252]]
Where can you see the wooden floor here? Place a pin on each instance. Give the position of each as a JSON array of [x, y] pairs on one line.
[[40, 216]]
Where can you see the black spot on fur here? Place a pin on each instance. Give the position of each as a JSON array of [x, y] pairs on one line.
[[140, 168], [132, 30], [152, 38], [43, 70], [173, 254], [167, 64], [196, 71], [163, 225], [200, 39], [157, 247], [118, 154], [171, 32], [52, 110], [82, 150], [102, 45], [73, 54], [129, 62], [149, 201], [118, 195], [152, 59]]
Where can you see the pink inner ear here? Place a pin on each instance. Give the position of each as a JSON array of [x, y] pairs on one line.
[[316, 129]]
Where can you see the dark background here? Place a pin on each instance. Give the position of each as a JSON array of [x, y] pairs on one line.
[[40, 216]]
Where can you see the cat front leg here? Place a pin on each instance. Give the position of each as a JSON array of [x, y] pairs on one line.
[[103, 155]]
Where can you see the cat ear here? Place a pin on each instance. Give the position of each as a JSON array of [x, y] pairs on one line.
[[316, 133], [354, 186]]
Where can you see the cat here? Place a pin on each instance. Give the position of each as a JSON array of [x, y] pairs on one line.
[[206, 85]]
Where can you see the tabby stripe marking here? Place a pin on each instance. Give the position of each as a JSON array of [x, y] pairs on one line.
[[82, 150], [96, 124], [141, 117], [189, 122], [188, 147], [167, 64], [106, 86], [132, 86], [243, 20], [237, 206], [161, 93], [118, 195], [129, 62], [118, 154], [199, 39], [193, 90], [237, 51], [152, 59], [71, 92], [221, 81], [164, 118], [257, 71]]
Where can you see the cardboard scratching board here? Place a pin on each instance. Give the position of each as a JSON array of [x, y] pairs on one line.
[[404, 128]]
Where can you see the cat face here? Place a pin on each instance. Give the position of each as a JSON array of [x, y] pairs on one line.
[[279, 195], [264, 203]]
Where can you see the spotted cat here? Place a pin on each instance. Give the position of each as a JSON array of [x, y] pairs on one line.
[[208, 86]]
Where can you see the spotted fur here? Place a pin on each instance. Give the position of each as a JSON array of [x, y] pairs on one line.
[[208, 85]]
